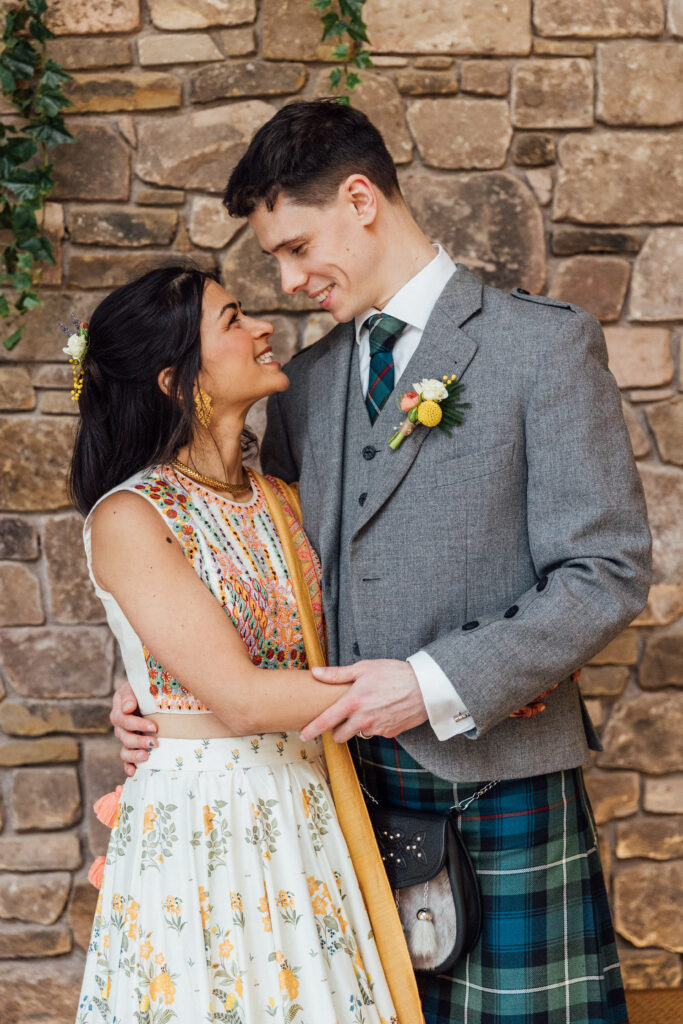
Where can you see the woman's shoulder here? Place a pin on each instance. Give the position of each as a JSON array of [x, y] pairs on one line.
[[124, 506]]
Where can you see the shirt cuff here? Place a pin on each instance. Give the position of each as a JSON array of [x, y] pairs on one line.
[[448, 716]]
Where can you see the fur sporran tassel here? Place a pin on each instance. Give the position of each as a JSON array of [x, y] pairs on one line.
[[422, 939]]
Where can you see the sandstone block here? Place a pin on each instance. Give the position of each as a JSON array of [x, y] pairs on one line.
[[562, 48], [664, 605], [45, 852], [596, 712], [317, 326], [640, 356], [106, 91], [292, 31], [571, 241], [651, 395], [81, 17], [39, 899], [20, 601], [122, 225], [210, 224], [256, 279], [421, 83], [23, 987], [461, 133], [479, 27], [540, 180], [179, 14], [650, 968], [19, 752], [16, 390], [612, 794], [72, 597], [82, 911], [95, 166], [489, 222], [55, 663], [656, 292], [620, 178], [237, 42], [45, 798], [43, 340], [646, 905], [602, 18], [662, 661], [100, 52], [664, 496], [553, 93], [197, 150], [666, 420], [53, 375], [35, 455], [38, 718], [431, 63], [533, 149], [57, 403], [675, 17], [378, 98], [655, 838], [484, 77], [665, 795], [640, 83], [159, 197], [169, 48], [26, 940], [18, 538], [245, 78], [103, 772], [644, 733], [93, 269], [640, 442], [604, 680], [623, 650], [597, 283]]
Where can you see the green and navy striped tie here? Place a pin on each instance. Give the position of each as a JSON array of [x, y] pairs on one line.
[[385, 331]]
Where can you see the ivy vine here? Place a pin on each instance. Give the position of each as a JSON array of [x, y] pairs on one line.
[[339, 19], [34, 85]]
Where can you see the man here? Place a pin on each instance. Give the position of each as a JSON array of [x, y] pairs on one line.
[[463, 576]]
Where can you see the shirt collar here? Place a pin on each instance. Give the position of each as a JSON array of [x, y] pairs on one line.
[[415, 301]]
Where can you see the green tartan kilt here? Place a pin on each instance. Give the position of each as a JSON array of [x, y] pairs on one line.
[[547, 954]]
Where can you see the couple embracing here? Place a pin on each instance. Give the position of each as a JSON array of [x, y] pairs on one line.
[[465, 576]]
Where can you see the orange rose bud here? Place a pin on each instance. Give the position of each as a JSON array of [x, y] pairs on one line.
[[409, 401]]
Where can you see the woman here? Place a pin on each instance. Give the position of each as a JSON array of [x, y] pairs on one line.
[[228, 893]]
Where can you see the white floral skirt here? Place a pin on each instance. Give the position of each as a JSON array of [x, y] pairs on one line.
[[229, 895]]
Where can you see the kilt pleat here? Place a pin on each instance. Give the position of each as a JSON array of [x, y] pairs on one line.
[[547, 954]]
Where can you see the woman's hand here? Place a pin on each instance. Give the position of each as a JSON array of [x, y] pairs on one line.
[[135, 732]]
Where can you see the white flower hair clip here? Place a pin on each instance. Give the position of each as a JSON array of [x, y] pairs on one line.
[[76, 347]]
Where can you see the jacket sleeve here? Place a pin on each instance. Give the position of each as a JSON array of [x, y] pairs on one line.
[[588, 534], [276, 455]]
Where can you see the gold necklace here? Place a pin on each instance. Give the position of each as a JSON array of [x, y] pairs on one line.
[[219, 485]]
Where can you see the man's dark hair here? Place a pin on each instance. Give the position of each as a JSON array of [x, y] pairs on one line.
[[306, 151]]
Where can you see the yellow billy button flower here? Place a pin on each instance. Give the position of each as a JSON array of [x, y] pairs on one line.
[[429, 413]]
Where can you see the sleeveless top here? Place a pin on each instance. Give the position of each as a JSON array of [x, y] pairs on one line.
[[236, 551]]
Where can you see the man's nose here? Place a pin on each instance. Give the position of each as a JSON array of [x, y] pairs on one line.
[[293, 279]]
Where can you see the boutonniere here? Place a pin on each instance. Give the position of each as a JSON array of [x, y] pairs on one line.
[[433, 404]]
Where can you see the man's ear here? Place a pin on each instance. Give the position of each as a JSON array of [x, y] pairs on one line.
[[164, 380], [361, 193]]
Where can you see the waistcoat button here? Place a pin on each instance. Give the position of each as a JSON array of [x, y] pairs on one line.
[[369, 452], [362, 497], [471, 625]]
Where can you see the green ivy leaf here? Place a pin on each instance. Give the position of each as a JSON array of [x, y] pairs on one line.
[[334, 26], [40, 248], [53, 133], [54, 76], [13, 339], [362, 59], [4, 306], [344, 100], [351, 80], [335, 77], [341, 52], [321, 5]]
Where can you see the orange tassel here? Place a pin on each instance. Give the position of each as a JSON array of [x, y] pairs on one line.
[[105, 808], [96, 873]]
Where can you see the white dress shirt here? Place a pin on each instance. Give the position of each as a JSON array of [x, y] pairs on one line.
[[413, 304]]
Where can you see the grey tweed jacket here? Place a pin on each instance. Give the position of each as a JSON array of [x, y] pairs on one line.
[[511, 552]]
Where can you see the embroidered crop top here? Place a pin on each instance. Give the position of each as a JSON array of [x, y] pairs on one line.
[[236, 551]]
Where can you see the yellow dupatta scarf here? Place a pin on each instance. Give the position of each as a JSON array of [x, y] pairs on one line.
[[283, 504]]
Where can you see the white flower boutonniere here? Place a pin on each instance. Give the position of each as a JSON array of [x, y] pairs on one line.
[[433, 403]]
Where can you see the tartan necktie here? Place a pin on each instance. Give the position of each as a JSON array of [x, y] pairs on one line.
[[385, 331]]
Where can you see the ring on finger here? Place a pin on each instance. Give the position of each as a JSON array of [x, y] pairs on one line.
[[363, 736]]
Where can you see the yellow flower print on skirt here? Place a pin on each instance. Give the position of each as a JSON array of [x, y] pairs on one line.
[[228, 895]]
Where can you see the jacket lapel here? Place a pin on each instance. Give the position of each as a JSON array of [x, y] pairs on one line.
[[444, 349]]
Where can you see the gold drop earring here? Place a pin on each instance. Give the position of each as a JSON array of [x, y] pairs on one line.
[[202, 408]]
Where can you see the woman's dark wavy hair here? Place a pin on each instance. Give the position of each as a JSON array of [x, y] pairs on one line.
[[127, 423]]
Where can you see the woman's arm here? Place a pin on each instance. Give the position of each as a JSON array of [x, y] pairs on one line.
[[137, 559]]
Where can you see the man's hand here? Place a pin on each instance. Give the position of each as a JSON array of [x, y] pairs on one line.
[[385, 700], [131, 728]]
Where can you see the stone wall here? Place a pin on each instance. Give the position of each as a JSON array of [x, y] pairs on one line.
[[542, 145]]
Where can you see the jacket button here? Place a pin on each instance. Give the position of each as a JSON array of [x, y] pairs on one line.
[[369, 452], [356, 649], [362, 497], [511, 612], [542, 583], [471, 625]]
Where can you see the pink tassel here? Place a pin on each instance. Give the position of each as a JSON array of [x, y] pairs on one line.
[[105, 808], [96, 873]]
